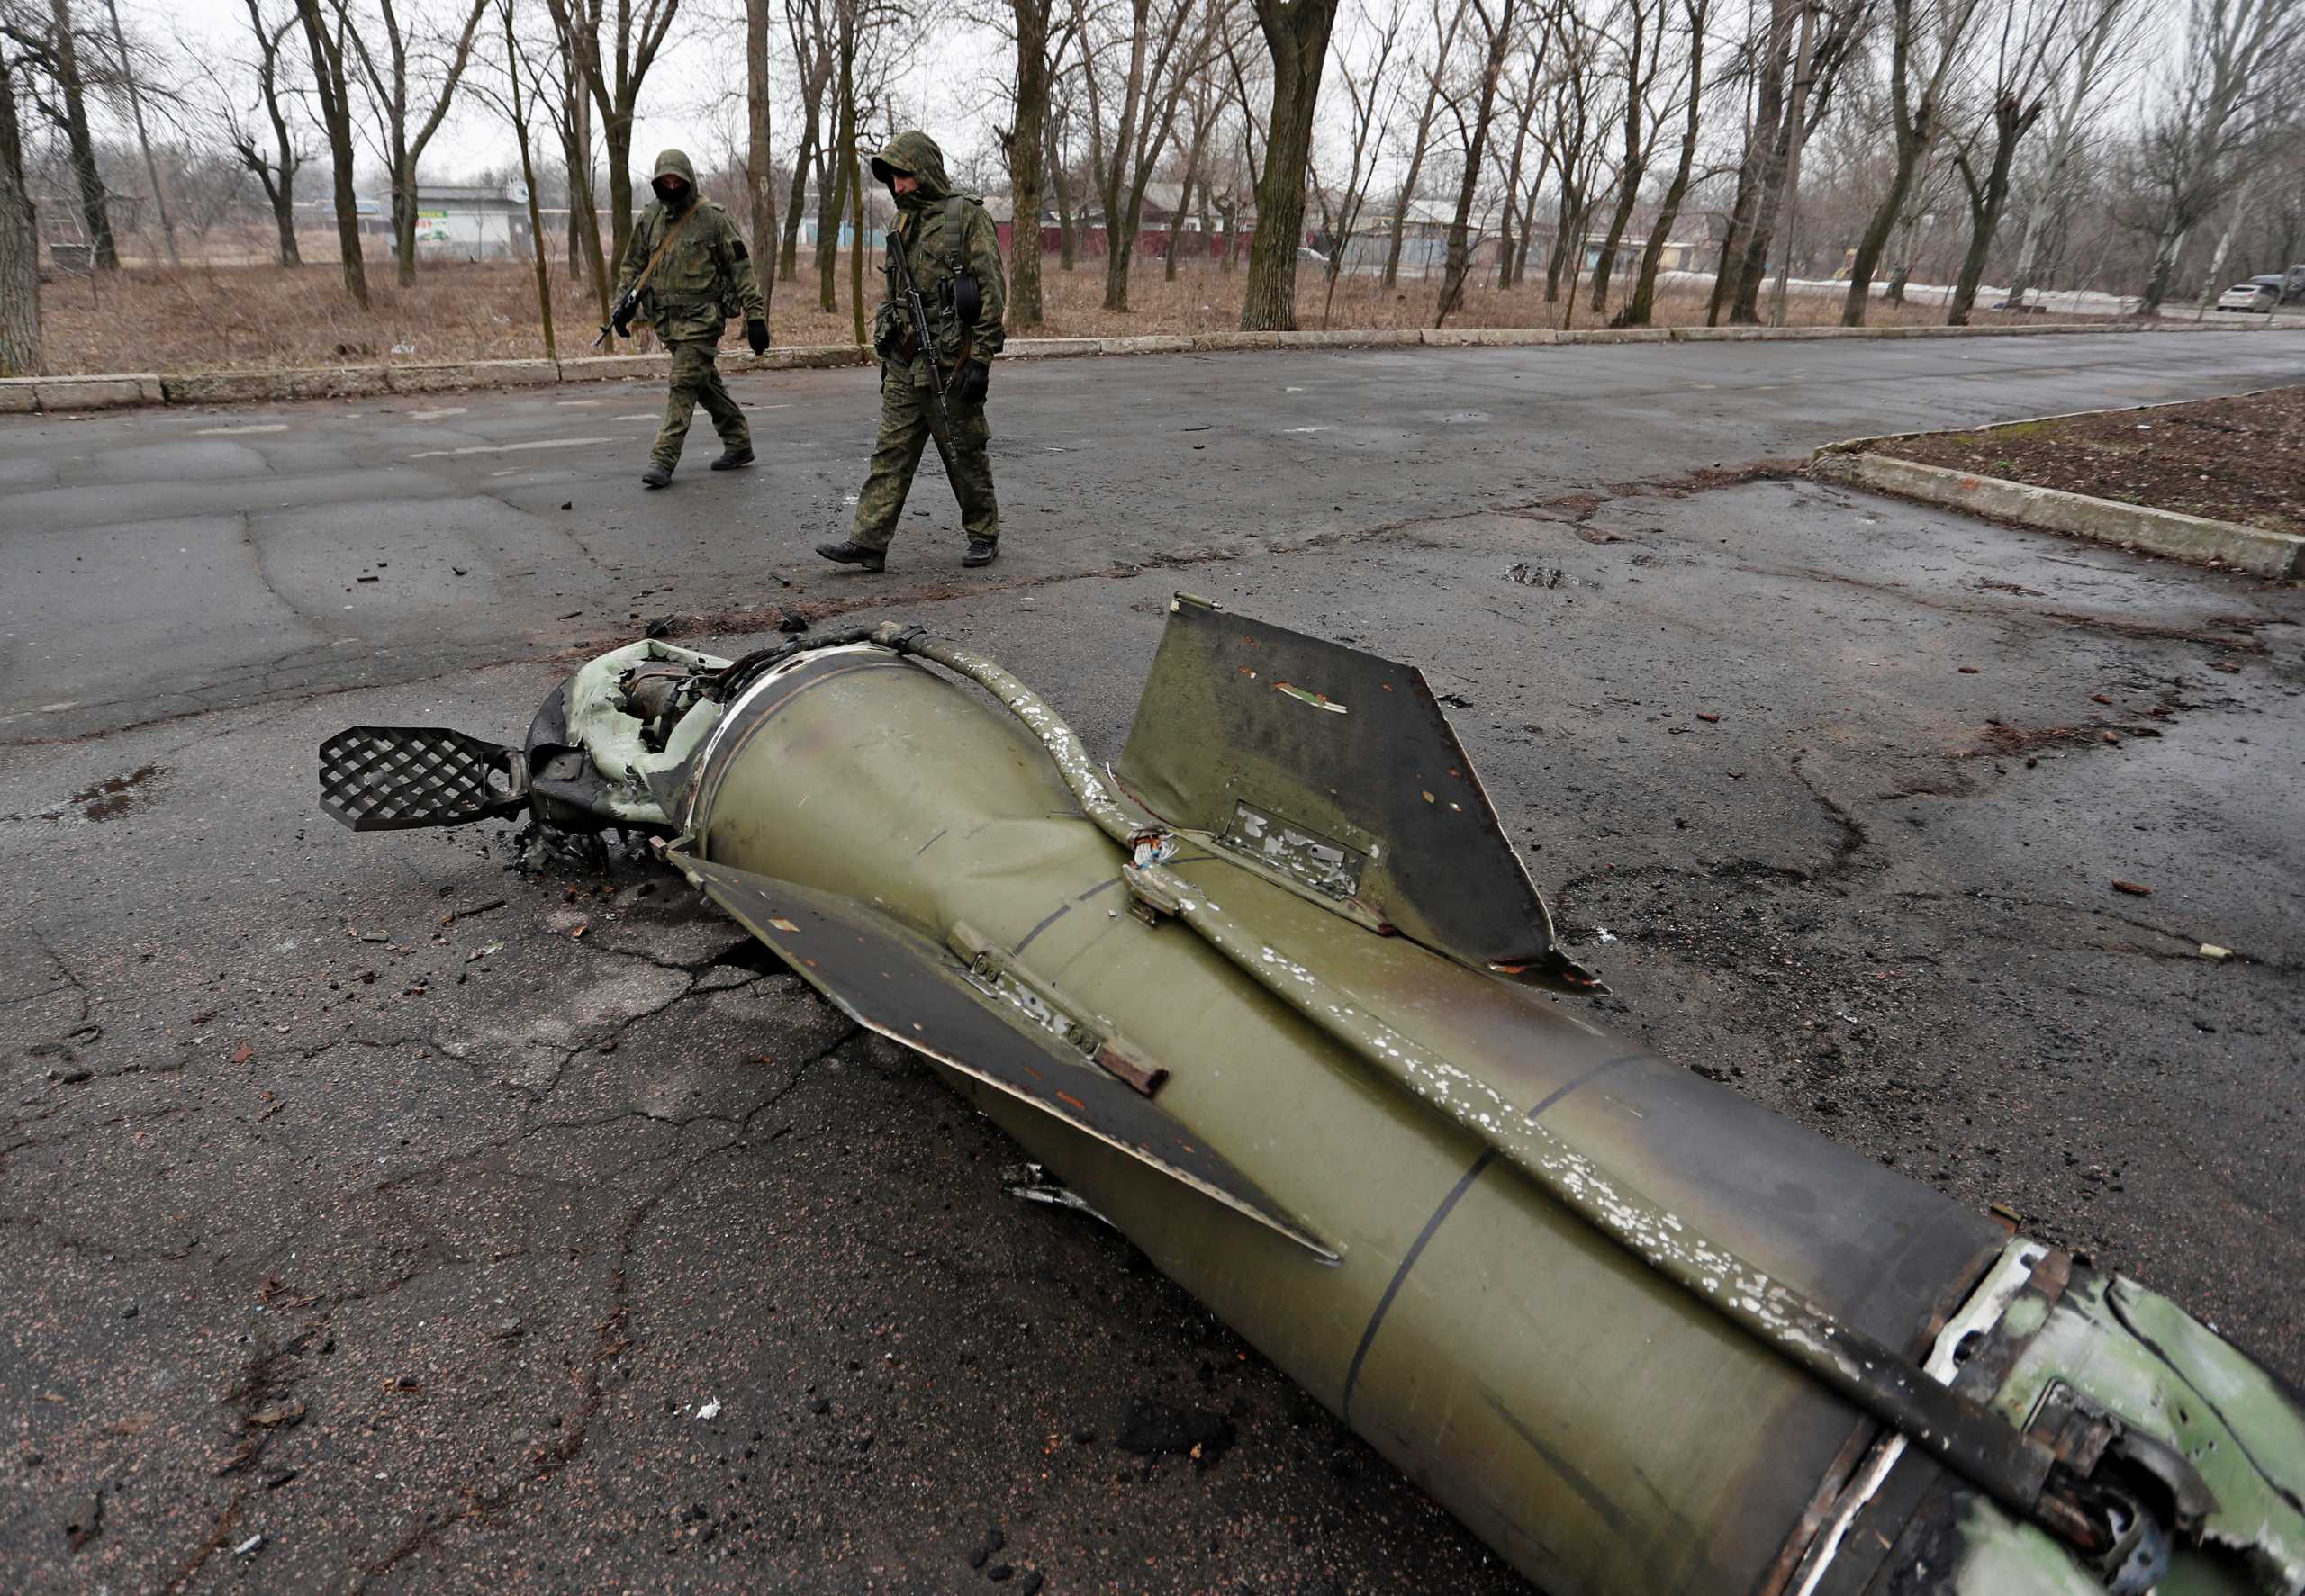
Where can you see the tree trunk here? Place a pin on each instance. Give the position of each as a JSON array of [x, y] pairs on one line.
[[95, 211], [1513, 190], [852, 170], [1762, 147], [143, 139], [283, 218], [2216, 273], [1068, 245], [404, 219], [336, 120], [832, 200], [1780, 184], [1643, 305], [1420, 145], [1874, 242], [2010, 122], [1297, 33], [20, 338], [763, 181], [1025, 142], [796, 204], [1459, 265], [529, 180], [576, 155]]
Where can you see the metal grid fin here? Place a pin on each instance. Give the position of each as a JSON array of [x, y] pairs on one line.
[[395, 777]]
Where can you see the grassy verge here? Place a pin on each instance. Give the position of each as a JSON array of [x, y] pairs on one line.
[[256, 318], [2240, 459]]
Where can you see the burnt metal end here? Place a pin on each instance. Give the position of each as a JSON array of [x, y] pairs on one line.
[[384, 778]]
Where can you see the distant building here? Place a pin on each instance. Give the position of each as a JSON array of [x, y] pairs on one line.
[[463, 221]]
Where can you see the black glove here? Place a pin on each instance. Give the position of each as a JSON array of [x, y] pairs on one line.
[[756, 335], [972, 381], [621, 320]]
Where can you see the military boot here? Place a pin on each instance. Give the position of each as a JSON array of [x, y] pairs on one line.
[[854, 553], [657, 477], [983, 551], [730, 459]]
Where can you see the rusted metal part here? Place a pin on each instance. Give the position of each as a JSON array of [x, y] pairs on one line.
[[1145, 1080], [1820, 1509]]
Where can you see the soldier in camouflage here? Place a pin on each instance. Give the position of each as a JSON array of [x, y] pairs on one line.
[[947, 238], [697, 276]]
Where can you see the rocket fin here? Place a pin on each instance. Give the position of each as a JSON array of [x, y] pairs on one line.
[[890, 980], [1337, 771]]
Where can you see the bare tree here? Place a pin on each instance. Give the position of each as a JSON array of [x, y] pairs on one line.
[[1025, 142], [1067, 237], [1695, 15], [2215, 105], [2109, 31], [2030, 36], [270, 156], [1160, 55], [812, 57], [1520, 97], [21, 354], [517, 104], [758, 178], [1435, 74], [1642, 57], [1570, 144], [1375, 100], [64, 64], [415, 58], [613, 54], [1499, 28], [1829, 42], [143, 137], [332, 88], [1927, 40], [1296, 37]]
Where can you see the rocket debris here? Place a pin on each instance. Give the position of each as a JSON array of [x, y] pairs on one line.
[[1636, 1331]]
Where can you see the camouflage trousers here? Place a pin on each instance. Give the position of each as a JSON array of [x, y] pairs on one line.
[[697, 381], [908, 418]]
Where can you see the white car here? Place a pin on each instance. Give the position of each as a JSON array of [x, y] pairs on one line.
[[2247, 297]]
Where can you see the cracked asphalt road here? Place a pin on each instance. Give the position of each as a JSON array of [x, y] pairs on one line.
[[360, 1194]]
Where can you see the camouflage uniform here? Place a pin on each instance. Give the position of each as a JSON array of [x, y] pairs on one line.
[[703, 279], [944, 235]]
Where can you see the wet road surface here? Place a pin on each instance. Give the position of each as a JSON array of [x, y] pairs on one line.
[[407, 1212]]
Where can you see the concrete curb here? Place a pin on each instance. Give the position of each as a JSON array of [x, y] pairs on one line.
[[2166, 532], [57, 395]]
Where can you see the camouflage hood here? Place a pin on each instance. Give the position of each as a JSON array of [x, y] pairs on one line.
[[916, 154], [675, 163]]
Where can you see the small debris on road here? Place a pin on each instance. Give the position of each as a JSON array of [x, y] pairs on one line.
[[1969, 671], [248, 1547], [709, 1410], [243, 1053], [791, 620], [2135, 889], [663, 626], [1707, 717], [2215, 954], [278, 1415], [2228, 666], [1151, 1427]]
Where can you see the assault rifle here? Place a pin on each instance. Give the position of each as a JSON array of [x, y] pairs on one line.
[[918, 313]]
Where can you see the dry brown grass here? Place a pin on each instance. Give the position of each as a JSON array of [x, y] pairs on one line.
[[211, 318]]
